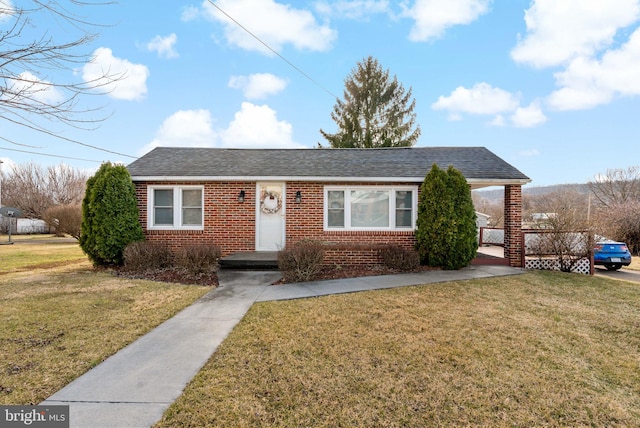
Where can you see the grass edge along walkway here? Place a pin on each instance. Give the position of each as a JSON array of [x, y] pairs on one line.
[[543, 348]]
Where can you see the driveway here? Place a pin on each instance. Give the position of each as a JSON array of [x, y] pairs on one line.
[[623, 274]]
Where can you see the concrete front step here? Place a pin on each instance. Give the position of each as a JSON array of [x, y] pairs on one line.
[[252, 260]]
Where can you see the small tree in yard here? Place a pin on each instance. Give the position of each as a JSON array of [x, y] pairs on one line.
[[446, 234], [109, 215], [564, 230], [621, 222], [65, 219]]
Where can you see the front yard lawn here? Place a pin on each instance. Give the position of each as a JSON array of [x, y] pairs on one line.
[[57, 323], [31, 252], [539, 349]]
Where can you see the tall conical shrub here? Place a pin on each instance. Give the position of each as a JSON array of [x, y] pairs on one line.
[[446, 224], [110, 218]]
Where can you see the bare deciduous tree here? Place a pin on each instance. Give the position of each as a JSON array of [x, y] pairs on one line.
[[616, 196], [495, 210], [66, 219], [616, 187], [564, 208], [37, 79], [565, 233], [34, 189], [621, 223]]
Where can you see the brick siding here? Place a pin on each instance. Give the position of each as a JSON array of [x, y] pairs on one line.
[[231, 224], [513, 239]]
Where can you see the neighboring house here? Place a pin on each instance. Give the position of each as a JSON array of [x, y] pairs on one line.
[[23, 226], [353, 200], [27, 226], [482, 221], [539, 221]]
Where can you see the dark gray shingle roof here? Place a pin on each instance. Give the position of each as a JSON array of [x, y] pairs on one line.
[[413, 163]]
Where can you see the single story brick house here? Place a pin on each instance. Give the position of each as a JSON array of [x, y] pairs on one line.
[[353, 200]]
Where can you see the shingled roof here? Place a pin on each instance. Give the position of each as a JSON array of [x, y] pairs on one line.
[[410, 164]]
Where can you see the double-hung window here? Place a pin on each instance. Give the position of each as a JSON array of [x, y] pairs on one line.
[[175, 207], [370, 208]]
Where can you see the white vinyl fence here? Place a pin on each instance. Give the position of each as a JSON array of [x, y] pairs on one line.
[[535, 257], [23, 226]]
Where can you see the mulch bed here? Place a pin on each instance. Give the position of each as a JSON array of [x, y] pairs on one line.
[[179, 276], [210, 279], [356, 271]]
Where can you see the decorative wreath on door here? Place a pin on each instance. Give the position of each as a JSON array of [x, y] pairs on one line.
[[271, 202]]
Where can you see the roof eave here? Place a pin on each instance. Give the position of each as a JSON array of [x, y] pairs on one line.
[[479, 183]]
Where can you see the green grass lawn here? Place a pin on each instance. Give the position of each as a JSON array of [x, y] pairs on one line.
[[539, 349], [635, 263], [59, 317], [30, 252]]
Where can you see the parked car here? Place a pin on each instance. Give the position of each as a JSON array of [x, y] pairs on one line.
[[610, 254]]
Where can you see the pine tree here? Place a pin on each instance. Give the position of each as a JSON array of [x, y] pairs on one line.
[[109, 215], [446, 233], [376, 111]]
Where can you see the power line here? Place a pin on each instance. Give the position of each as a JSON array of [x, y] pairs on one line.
[[50, 155], [71, 140], [273, 50], [20, 144]]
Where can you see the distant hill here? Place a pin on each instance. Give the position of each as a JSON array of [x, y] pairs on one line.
[[497, 195]]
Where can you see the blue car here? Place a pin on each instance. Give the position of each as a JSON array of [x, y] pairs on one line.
[[612, 255]]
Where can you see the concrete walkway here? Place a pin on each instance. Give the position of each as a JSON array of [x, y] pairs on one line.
[[135, 386]]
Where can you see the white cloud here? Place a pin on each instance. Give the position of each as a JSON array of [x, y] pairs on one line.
[[528, 117], [34, 90], [189, 13], [252, 127], [484, 99], [276, 24], [574, 98], [498, 121], [164, 46], [130, 80], [258, 86], [529, 153], [7, 165], [185, 128], [7, 10], [587, 82], [434, 17], [258, 127], [352, 9], [559, 31], [481, 99]]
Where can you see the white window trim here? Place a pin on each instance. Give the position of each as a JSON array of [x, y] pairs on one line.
[[177, 208], [392, 207]]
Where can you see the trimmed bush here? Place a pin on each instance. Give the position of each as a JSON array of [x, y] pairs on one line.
[[446, 233], [302, 262], [110, 218], [399, 258], [198, 259], [142, 256]]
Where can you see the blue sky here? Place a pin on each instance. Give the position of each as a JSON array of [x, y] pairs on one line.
[[550, 86]]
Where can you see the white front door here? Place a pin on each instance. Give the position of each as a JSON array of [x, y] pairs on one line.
[[270, 209]]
